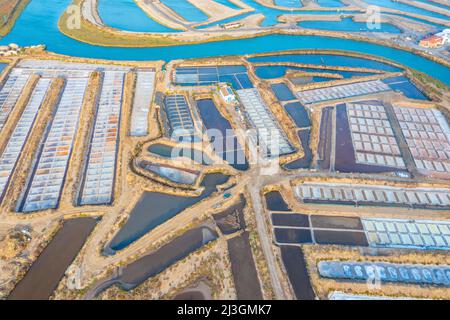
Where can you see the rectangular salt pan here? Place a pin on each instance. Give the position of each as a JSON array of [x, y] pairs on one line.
[[102, 155], [47, 181]]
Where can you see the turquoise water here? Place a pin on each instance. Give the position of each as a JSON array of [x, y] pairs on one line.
[[406, 8], [186, 10], [437, 25], [289, 3], [327, 59], [435, 4], [126, 15], [330, 3], [347, 24], [273, 72], [38, 25], [228, 3]]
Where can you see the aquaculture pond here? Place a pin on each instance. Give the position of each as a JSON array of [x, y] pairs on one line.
[[146, 215], [150, 265], [177, 175], [404, 85], [330, 3], [126, 15], [49, 268], [328, 60], [169, 152], [392, 4], [278, 71], [325, 138], [282, 92], [243, 268], [228, 3], [305, 161], [290, 220], [222, 135], [349, 25], [275, 201], [289, 3], [327, 230], [186, 10], [295, 264], [297, 112], [436, 4]]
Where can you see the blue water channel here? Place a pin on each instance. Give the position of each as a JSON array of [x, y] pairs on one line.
[[38, 25], [126, 15], [347, 24]]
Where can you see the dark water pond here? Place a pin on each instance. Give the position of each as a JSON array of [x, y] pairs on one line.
[[155, 208], [222, 135], [282, 92], [150, 265], [49, 268], [275, 202], [404, 85], [295, 264], [298, 114], [243, 268], [305, 161]]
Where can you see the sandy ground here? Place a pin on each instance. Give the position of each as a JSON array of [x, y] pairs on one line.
[[162, 14], [130, 186], [211, 262]]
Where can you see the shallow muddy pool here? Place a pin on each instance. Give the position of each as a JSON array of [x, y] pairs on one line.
[[49, 268], [155, 208]]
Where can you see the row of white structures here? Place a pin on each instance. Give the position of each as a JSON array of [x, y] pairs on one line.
[[45, 182], [271, 136], [316, 192], [342, 91]]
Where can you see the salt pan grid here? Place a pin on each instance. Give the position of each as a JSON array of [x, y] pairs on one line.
[[342, 91], [413, 234], [10, 93], [56, 68], [359, 194], [386, 272], [179, 116], [428, 137], [196, 76], [47, 178], [61, 66], [98, 182], [373, 139], [269, 133], [16, 143], [145, 84]]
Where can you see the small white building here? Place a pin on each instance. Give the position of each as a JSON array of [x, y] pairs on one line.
[[445, 35], [227, 94]]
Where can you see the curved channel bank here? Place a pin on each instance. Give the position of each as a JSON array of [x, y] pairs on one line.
[[38, 24]]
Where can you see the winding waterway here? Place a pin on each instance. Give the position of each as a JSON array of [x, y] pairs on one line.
[[38, 25]]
